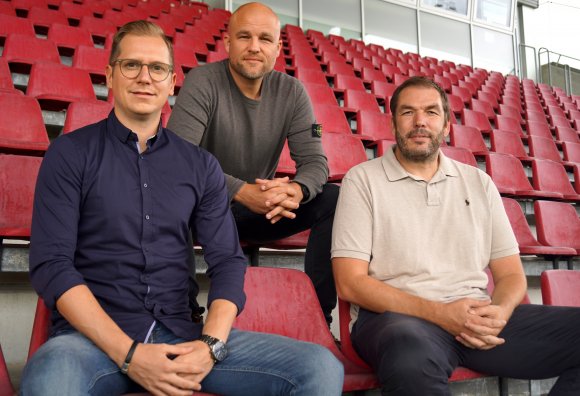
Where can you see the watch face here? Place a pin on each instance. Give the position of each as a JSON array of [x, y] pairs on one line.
[[219, 351]]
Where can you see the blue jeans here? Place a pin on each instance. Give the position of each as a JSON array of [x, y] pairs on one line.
[[257, 364]]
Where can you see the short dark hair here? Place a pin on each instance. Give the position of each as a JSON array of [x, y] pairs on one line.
[[139, 28], [424, 82]]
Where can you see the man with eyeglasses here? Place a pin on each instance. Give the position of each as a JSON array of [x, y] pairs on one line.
[[109, 256], [243, 111]]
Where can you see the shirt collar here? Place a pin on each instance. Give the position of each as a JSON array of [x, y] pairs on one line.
[[125, 134], [395, 171]]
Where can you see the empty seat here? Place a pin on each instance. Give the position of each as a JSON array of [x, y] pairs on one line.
[[456, 104], [98, 27], [310, 76], [566, 134], [550, 176], [80, 114], [383, 90], [185, 58], [512, 112], [13, 25], [332, 119], [18, 175], [321, 94], [460, 154], [75, 11], [528, 245], [483, 107], [571, 152], [561, 287], [508, 142], [475, 119], [53, 84], [390, 71], [489, 98], [23, 49], [191, 43], [463, 93], [69, 37], [506, 123], [538, 128], [342, 81], [343, 152], [45, 17], [369, 74], [536, 116], [509, 176], [469, 138], [93, 60], [543, 148], [374, 126], [26, 132], [557, 224], [359, 100], [443, 82], [5, 76]]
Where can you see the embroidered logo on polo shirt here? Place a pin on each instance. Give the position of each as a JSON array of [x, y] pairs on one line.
[[317, 130]]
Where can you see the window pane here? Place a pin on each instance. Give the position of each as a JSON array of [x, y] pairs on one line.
[[342, 16], [456, 6], [390, 25], [494, 12], [487, 44], [445, 39]]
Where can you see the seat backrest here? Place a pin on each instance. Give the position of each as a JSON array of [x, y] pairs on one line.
[[519, 223], [483, 107], [283, 301], [46, 17], [94, 60], [18, 175], [390, 70], [20, 48], [536, 128], [313, 76], [12, 24], [5, 76], [507, 142], [332, 118], [506, 123], [463, 93], [372, 74], [476, 119], [185, 58], [551, 176], [383, 90], [343, 152], [5, 384], [557, 224], [286, 165], [460, 154], [80, 114], [507, 172], [320, 94], [571, 151], [374, 125], [25, 133], [566, 134], [467, 137], [59, 83], [561, 287], [360, 100], [69, 36], [343, 81], [543, 148]]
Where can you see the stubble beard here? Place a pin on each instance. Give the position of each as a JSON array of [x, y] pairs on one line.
[[420, 155], [250, 75]]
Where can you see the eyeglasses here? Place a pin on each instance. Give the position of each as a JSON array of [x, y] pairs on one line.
[[131, 68]]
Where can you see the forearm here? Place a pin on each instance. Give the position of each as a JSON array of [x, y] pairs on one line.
[[510, 283], [220, 318], [81, 309]]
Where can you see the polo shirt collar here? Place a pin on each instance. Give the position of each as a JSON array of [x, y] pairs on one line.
[[395, 171]]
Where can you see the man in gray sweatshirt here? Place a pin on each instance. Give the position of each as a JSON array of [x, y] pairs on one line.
[[243, 111]]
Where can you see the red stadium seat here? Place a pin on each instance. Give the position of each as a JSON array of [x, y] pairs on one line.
[[460, 154], [5, 384], [191, 43], [269, 307], [489, 98], [571, 152], [475, 119], [18, 175], [557, 224], [98, 27], [528, 245], [313, 76], [343, 152], [390, 71], [565, 134], [44, 17], [508, 142], [342, 81], [506, 123], [463, 93], [469, 138], [509, 176], [512, 112], [443, 82], [7, 9], [561, 287], [25, 133], [359, 100], [56, 84], [483, 107], [5, 76], [13, 25], [551, 176], [286, 165], [320, 94], [332, 119], [23, 49], [75, 11], [93, 60], [374, 126], [185, 58], [456, 104], [69, 37], [369, 74], [539, 128], [80, 114], [543, 148]]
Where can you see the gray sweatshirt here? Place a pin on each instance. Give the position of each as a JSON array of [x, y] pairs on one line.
[[247, 135]]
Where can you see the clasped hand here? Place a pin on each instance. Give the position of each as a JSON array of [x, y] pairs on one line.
[[175, 370], [275, 198], [475, 323]]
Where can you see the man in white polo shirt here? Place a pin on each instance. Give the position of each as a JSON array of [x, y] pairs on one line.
[[413, 234]]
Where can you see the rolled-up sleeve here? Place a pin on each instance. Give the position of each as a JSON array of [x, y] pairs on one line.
[[55, 222], [216, 232]]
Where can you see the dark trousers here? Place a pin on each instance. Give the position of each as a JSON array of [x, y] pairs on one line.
[[318, 215], [414, 357]]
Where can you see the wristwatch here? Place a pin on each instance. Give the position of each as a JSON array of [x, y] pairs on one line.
[[305, 192], [217, 348]]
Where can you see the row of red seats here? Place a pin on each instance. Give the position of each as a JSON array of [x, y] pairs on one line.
[[263, 313]]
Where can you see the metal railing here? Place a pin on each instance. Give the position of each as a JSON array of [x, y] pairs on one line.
[[561, 61]]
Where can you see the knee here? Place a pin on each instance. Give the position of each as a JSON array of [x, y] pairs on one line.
[[322, 373]]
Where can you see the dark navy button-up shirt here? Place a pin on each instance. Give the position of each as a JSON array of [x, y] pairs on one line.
[[118, 221]]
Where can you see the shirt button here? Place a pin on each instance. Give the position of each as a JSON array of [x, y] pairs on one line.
[[145, 185], [147, 217], [140, 157]]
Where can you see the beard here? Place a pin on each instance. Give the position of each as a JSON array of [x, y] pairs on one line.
[[250, 74], [419, 155]]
